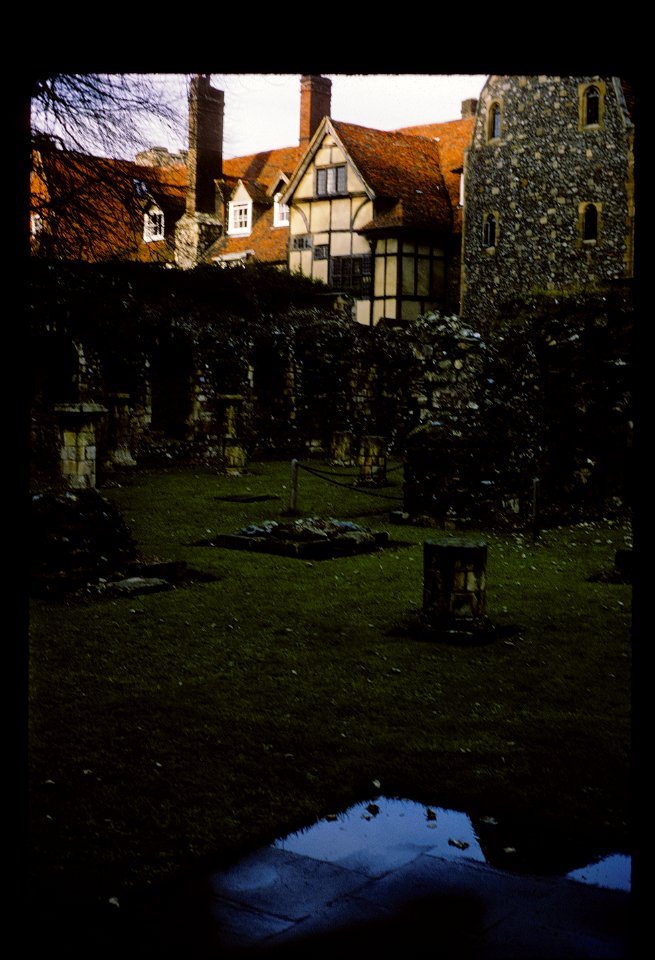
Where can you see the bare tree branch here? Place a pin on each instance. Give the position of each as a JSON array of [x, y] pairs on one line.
[[88, 195], [104, 113]]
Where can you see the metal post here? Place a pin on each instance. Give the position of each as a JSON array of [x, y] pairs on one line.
[[535, 495], [293, 496]]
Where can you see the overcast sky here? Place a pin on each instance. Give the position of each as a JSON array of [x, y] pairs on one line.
[[262, 110]]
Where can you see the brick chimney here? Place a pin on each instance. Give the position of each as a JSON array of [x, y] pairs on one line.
[[205, 156], [201, 224], [315, 103], [468, 108]]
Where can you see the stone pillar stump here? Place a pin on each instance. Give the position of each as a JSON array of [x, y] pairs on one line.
[[454, 583], [372, 460], [78, 442], [235, 458], [341, 448]]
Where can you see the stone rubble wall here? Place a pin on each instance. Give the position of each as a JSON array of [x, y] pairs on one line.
[[534, 179], [473, 417]]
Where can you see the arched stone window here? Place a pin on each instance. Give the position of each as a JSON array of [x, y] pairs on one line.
[[493, 122], [592, 104], [589, 221], [489, 230]]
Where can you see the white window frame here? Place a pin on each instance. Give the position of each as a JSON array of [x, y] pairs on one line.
[[153, 225], [240, 219], [280, 212]]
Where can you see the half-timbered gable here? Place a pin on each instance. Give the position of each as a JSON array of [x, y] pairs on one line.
[[370, 213]]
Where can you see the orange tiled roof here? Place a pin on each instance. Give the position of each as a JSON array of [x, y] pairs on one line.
[[405, 173], [263, 167], [268, 242], [454, 138], [92, 209], [410, 171], [259, 173]]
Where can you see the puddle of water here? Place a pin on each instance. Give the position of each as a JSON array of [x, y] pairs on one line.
[[380, 823], [613, 873], [385, 833]]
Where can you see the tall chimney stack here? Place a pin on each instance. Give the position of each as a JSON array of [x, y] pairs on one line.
[[315, 103], [205, 157], [468, 108], [202, 222]]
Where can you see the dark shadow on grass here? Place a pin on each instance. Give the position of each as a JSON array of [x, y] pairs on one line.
[[472, 633]]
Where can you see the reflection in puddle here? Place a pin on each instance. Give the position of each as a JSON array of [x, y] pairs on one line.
[[385, 833], [370, 827], [613, 872]]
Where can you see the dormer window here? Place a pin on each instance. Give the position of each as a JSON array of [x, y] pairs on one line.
[[153, 225], [280, 212], [240, 218]]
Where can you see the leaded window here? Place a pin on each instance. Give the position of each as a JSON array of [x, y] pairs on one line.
[[494, 122], [301, 242], [331, 180], [352, 273]]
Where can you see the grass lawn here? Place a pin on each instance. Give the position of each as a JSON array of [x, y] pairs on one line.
[[182, 728]]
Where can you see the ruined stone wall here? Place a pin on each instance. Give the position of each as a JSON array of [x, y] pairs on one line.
[[548, 398], [476, 418], [535, 178]]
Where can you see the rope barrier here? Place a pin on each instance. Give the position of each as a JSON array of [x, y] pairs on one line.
[[368, 493], [328, 473]]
